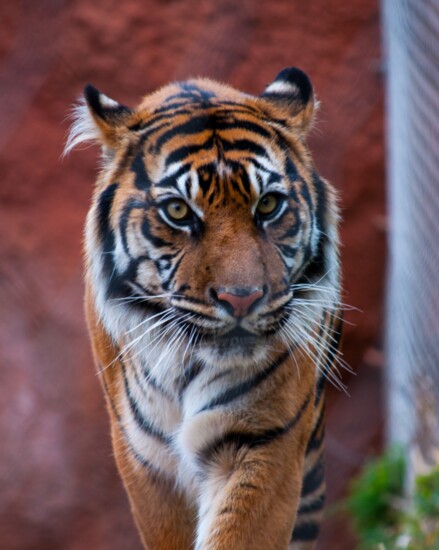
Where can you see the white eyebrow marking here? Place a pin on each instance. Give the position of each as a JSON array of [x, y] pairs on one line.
[[254, 179], [172, 169], [181, 185], [195, 183]]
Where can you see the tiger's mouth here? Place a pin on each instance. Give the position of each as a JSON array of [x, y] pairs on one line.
[[238, 333], [237, 346], [236, 337], [238, 340]]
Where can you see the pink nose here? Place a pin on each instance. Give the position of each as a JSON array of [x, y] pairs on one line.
[[240, 302]]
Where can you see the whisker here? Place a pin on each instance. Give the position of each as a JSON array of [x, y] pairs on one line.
[[327, 347], [316, 357], [130, 344], [169, 309], [140, 298], [161, 336], [329, 303]]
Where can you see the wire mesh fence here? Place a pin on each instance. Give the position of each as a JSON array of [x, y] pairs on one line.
[[411, 30]]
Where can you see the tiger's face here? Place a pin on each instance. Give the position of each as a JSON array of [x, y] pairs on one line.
[[209, 216]]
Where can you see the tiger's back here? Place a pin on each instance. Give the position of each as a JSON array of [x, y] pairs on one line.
[[212, 303]]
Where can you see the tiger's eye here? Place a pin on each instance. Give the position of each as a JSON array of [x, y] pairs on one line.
[[177, 210], [268, 204]]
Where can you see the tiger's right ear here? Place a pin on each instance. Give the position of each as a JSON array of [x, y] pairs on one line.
[[97, 118]]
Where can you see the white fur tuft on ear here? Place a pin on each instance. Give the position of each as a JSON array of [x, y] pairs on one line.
[[282, 87], [83, 128]]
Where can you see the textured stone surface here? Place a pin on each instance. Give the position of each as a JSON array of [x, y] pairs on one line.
[[58, 485]]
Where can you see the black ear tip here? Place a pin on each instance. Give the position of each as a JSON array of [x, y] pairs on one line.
[[293, 83], [91, 95], [298, 78], [291, 74]]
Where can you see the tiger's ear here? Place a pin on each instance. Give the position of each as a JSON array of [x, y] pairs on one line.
[[292, 94], [97, 118]]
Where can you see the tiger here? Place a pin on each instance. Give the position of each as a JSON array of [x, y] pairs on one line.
[[212, 298]]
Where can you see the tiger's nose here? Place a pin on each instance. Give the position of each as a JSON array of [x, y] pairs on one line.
[[238, 300]]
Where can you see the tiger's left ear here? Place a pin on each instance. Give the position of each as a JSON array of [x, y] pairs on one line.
[[97, 118], [292, 94]]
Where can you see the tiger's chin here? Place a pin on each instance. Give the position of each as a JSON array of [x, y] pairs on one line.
[[235, 352]]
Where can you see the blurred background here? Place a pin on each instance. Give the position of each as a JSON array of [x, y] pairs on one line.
[[59, 488]]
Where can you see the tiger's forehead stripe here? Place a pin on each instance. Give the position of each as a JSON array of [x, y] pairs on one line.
[[192, 124], [204, 142]]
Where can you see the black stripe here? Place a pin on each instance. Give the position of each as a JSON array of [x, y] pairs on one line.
[[314, 478], [262, 168], [151, 129], [189, 376], [287, 250], [106, 235], [240, 389], [194, 125], [183, 152], [104, 206], [276, 311], [212, 121], [315, 505], [308, 531], [249, 439], [140, 459], [142, 180], [239, 124], [156, 474], [201, 316], [248, 108], [244, 145], [117, 283], [166, 283], [280, 294], [293, 175], [174, 108], [153, 239], [190, 299], [170, 181], [245, 183], [131, 205], [206, 176], [317, 266], [141, 421], [304, 192], [150, 381], [315, 442], [293, 229], [320, 387], [321, 206]]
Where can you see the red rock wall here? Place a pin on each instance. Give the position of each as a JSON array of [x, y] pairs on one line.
[[58, 484]]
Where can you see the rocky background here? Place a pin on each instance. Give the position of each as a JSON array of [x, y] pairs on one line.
[[58, 484]]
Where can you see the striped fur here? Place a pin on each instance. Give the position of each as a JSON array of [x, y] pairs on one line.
[[217, 413]]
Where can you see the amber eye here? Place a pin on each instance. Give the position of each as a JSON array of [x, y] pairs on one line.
[[177, 210], [268, 205]]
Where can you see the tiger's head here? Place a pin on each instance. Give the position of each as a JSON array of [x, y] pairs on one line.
[[209, 223]]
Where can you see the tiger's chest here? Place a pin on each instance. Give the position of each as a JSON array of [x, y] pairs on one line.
[[170, 418]]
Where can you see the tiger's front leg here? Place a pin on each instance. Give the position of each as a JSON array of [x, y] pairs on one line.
[[250, 496], [164, 517]]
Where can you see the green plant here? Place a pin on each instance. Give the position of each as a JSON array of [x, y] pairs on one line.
[[384, 518], [373, 497]]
